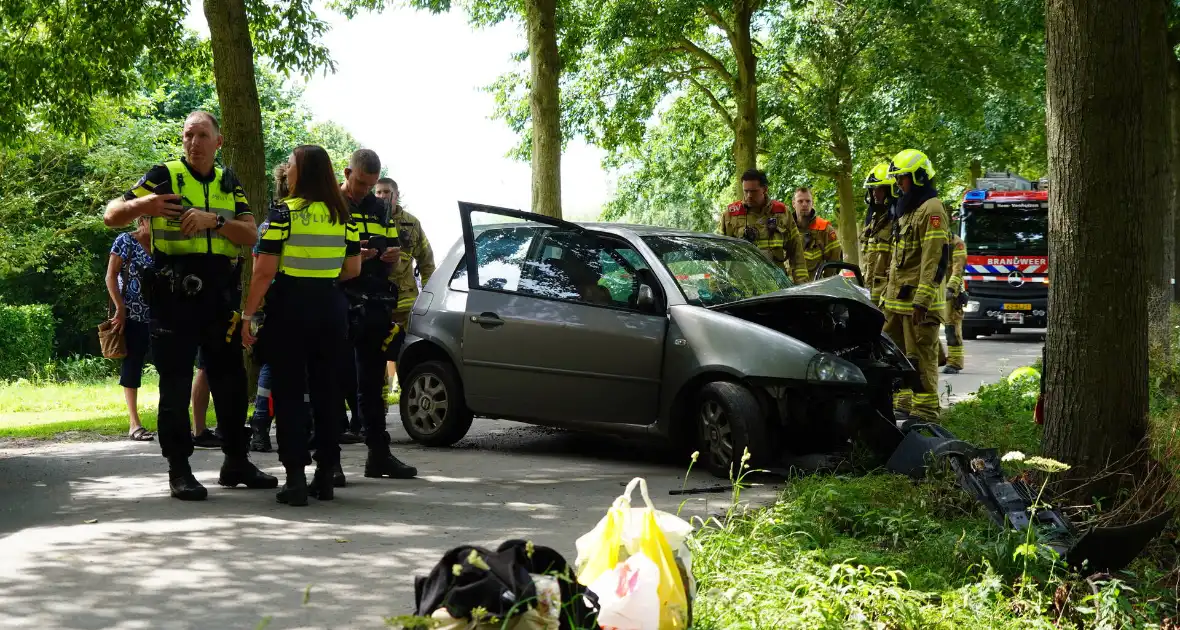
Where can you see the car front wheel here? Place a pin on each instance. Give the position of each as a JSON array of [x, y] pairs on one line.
[[729, 422], [432, 407]]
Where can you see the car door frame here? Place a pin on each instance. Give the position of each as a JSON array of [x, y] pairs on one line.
[[473, 280]]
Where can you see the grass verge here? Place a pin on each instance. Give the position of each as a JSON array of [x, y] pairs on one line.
[[97, 408], [880, 551]]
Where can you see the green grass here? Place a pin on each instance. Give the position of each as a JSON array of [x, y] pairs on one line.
[[879, 551], [47, 410]]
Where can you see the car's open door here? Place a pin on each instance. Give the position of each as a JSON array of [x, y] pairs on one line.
[[558, 326]]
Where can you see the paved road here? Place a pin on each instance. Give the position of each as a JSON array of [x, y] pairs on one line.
[[152, 562]]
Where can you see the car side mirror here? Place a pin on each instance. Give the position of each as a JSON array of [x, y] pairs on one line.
[[646, 298]]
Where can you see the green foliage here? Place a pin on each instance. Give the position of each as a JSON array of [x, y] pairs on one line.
[[1000, 415], [27, 342]]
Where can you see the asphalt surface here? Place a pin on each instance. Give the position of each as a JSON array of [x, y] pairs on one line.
[[90, 539]]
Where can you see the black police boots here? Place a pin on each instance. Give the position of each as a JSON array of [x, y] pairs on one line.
[[240, 470], [338, 476], [183, 484], [382, 463], [322, 483], [294, 492]]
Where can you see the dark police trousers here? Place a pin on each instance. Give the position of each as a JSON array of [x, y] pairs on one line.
[[371, 331], [180, 324], [306, 327]]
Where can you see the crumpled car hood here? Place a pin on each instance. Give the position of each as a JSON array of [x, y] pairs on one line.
[[811, 313]]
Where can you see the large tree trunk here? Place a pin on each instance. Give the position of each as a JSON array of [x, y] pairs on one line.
[[1096, 408], [545, 106], [1173, 68], [1155, 215], [241, 116], [976, 172], [849, 227], [745, 124]]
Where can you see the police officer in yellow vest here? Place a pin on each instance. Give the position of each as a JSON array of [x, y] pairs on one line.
[[956, 299], [308, 245], [373, 299], [820, 243], [417, 258], [765, 223], [200, 221], [920, 263], [876, 240]]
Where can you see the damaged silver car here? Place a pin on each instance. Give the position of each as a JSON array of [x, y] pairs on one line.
[[696, 338]]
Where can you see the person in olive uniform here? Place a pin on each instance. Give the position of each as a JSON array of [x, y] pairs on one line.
[[954, 307], [820, 242], [308, 245], [919, 264], [875, 241], [765, 223], [373, 299], [417, 258], [200, 220]]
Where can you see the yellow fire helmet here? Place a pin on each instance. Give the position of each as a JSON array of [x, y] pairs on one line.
[[879, 176], [912, 162]]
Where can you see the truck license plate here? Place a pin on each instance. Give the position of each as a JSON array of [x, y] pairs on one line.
[[1013, 318], [1018, 307]]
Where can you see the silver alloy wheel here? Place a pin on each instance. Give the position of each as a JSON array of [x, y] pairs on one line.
[[427, 402], [716, 432]]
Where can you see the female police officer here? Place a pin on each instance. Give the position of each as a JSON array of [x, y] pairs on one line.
[[308, 245]]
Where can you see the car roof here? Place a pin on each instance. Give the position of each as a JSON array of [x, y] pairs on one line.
[[626, 230]]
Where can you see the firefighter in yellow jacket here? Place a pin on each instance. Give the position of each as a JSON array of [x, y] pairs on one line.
[[820, 243], [915, 297], [875, 241], [955, 301], [766, 223]]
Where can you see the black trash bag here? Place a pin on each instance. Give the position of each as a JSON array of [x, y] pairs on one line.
[[499, 582]]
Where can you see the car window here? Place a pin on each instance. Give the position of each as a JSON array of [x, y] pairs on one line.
[[712, 271], [501, 253], [584, 268]]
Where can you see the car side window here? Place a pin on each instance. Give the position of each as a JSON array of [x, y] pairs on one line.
[[502, 255], [583, 268]]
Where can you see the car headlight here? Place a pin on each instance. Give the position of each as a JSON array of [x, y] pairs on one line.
[[828, 368], [972, 306]]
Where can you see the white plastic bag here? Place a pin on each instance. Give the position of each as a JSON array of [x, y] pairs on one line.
[[628, 597]]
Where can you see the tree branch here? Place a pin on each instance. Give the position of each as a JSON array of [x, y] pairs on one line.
[[721, 109], [717, 19], [708, 58]]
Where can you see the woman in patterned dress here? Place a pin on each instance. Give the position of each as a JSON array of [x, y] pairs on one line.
[[125, 270]]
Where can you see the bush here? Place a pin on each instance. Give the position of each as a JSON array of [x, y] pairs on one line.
[[27, 342]]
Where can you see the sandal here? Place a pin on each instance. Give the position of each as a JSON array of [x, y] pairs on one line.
[[141, 435]]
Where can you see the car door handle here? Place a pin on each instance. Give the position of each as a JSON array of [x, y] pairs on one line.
[[487, 320]]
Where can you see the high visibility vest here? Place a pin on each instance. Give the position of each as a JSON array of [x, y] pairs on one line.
[[313, 246], [167, 237]]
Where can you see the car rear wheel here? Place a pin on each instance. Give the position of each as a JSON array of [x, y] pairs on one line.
[[432, 407], [729, 421]]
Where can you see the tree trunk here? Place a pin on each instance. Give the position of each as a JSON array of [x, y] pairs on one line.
[[1155, 215], [545, 106], [1173, 68], [976, 172], [745, 89], [1096, 409], [848, 227], [241, 116]]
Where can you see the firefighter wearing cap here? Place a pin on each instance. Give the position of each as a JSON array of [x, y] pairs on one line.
[[820, 243], [878, 230], [765, 223], [915, 297], [956, 299]]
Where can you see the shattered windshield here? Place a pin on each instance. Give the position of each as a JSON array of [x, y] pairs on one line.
[[713, 271]]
